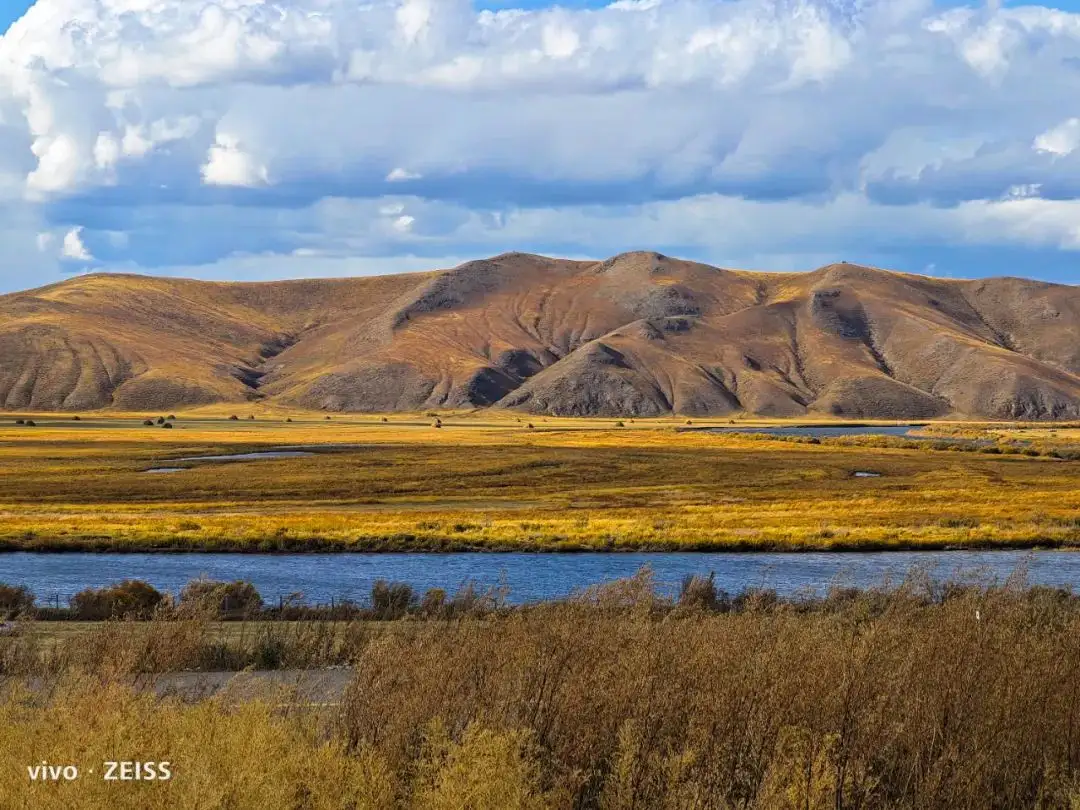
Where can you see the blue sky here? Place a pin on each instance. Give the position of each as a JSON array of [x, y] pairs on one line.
[[10, 11], [327, 137]]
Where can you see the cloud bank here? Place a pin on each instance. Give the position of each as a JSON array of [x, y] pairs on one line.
[[315, 137]]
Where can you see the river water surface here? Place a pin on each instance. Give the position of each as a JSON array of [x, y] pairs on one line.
[[529, 577]]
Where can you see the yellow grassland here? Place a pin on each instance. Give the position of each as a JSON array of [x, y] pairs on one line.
[[485, 480]]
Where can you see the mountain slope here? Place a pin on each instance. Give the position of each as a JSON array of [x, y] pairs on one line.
[[638, 334]]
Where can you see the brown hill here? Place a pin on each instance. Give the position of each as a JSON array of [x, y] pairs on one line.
[[638, 334]]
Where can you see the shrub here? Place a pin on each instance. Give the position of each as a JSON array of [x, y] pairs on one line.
[[15, 598], [234, 418], [31, 423], [434, 602], [221, 598], [171, 418], [131, 598], [20, 421], [700, 593], [161, 420], [391, 600], [76, 419], [167, 425], [148, 422]]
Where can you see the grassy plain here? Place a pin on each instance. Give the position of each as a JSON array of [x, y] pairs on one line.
[[488, 481]]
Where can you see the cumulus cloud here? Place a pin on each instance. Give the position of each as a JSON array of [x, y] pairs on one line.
[[883, 122], [227, 164], [1061, 140], [73, 247]]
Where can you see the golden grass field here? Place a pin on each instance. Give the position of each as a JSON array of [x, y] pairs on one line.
[[487, 481]]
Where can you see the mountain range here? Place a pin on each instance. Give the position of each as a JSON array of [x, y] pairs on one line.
[[639, 334]]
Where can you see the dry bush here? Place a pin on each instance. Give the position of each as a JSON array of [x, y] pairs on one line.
[[964, 702], [130, 598], [220, 598], [926, 697], [15, 599], [241, 757], [391, 600]]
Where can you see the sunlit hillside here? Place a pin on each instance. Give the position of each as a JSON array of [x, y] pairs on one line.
[[637, 335]]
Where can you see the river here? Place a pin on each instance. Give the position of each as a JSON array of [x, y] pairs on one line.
[[529, 577]]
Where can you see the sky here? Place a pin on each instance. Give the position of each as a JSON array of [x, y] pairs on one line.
[[250, 139]]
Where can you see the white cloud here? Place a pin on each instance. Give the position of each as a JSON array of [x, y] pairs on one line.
[[1023, 191], [1061, 140], [73, 247], [227, 164], [638, 91], [670, 121], [400, 175], [560, 40]]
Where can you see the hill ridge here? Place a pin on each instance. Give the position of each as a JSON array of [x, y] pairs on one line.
[[637, 334]]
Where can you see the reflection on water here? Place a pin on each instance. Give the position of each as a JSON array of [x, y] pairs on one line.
[[826, 431], [303, 451], [261, 455]]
